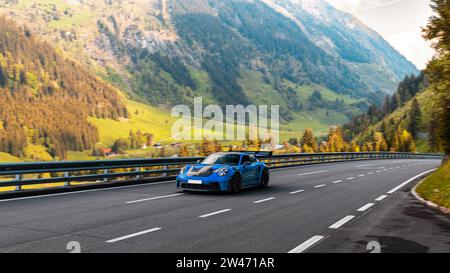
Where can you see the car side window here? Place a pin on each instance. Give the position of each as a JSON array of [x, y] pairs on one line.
[[245, 158], [253, 160]]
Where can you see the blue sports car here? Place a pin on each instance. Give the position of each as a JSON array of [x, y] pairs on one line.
[[225, 172]]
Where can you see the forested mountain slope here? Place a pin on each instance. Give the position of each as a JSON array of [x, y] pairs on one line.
[[45, 99], [166, 51], [410, 109]]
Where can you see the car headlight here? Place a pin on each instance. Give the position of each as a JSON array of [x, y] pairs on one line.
[[222, 171], [182, 170]]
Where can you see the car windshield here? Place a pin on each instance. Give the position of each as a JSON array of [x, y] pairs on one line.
[[220, 158]]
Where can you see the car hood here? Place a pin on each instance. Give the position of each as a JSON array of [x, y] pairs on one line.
[[202, 169]]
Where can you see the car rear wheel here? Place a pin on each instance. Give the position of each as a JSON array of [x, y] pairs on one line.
[[235, 184], [265, 178]]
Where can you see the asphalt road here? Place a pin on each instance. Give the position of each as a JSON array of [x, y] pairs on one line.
[[299, 212]]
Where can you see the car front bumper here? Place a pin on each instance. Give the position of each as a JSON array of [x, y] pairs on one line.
[[206, 185]]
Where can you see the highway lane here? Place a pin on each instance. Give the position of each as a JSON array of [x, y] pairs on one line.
[[156, 218]]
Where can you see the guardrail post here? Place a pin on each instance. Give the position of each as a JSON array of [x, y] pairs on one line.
[[18, 187], [66, 183], [164, 168], [138, 169], [106, 171]]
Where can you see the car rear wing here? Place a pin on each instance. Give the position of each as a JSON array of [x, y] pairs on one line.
[[255, 153]]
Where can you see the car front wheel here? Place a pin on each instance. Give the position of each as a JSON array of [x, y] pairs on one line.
[[235, 184]]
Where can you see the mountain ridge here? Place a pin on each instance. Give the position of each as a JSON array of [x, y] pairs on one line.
[[320, 70], [124, 24]]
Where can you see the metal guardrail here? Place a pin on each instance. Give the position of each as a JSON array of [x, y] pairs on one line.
[[72, 173]]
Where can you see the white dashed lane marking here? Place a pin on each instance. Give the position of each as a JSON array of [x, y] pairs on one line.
[[381, 197], [365, 207], [214, 213], [342, 222], [300, 174], [263, 200], [154, 198], [133, 235], [307, 244]]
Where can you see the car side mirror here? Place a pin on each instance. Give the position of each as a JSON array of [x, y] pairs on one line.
[[198, 161]]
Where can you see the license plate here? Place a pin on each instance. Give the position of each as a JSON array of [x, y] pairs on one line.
[[190, 181]]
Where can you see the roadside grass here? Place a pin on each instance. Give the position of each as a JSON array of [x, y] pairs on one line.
[[436, 187]]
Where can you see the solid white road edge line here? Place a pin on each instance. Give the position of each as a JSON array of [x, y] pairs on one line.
[[300, 174], [214, 213], [365, 207], [341, 222], [409, 180], [154, 198], [307, 244], [263, 200], [83, 191], [133, 235]]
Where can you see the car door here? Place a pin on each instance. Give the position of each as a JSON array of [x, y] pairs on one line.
[[256, 166], [248, 171]]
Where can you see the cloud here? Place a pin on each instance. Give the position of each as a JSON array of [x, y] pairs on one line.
[[412, 46], [404, 33]]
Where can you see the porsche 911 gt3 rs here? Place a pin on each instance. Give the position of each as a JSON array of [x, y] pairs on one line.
[[225, 172]]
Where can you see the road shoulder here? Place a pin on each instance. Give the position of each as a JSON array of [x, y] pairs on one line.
[[401, 223]]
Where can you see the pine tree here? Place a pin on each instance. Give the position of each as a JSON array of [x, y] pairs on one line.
[[308, 141], [354, 147], [380, 142], [414, 118], [336, 141], [3, 77], [432, 139], [183, 151], [293, 141], [438, 69]]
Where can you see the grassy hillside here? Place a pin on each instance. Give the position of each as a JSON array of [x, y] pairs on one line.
[[4, 157], [143, 117], [159, 122]]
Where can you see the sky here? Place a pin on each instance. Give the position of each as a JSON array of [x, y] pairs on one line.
[[398, 21]]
